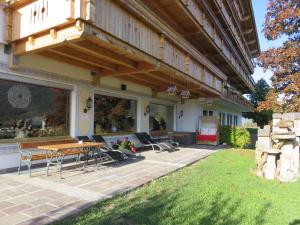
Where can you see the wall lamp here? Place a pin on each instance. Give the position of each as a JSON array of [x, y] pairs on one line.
[[147, 110], [88, 105]]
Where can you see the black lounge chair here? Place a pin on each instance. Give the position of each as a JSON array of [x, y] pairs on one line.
[[114, 154], [146, 140], [103, 153]]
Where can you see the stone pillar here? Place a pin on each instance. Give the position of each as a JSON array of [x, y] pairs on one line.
[[263, 143], [289, 162], [270, 167], [276, 119]]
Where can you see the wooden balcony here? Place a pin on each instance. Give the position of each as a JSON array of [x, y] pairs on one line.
[[198, 26], [109, 40], [236, 98]]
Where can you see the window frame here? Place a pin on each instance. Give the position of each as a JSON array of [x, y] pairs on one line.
[[121, 96], [173, 114], [44, 83]]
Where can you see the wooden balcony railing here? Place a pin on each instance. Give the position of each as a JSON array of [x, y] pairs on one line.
[[200, 16], [81, 32], [237, 98]]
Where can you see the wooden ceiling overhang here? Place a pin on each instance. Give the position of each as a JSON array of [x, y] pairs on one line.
[[193, 30], [84, 45]]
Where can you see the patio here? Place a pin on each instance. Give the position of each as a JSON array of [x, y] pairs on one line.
[[41, 199]]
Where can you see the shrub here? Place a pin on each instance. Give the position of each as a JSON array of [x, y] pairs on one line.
[[234, 136]]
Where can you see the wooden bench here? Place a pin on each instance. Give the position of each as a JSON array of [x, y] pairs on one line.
[[28, 152], [159, 135]]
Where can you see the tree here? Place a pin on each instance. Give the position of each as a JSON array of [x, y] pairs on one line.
[[261, 117], [261, 90], [283, 19]]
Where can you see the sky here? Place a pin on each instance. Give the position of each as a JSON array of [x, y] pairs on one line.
[[260, 9]]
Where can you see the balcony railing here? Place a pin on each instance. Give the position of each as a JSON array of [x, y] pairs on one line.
[[200, 16], [67, 30], [237, 98]]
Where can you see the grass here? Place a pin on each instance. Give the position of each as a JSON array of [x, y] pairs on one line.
[[217, 190]]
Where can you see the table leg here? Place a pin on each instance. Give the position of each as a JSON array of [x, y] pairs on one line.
[[59, 157]]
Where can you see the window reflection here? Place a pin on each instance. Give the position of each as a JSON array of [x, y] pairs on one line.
[[114, 115], [161, 117], [29, 110]]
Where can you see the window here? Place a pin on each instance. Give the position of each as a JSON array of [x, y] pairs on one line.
[[161, 117], [29, 110], [229, 120], [114, 115], [208, 113], [222, 119], [235, 120]]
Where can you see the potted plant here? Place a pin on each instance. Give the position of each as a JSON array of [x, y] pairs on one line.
[[126, 146]]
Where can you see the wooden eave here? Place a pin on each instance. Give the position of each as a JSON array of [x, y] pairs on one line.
[[248, 23], [195, 34], [82, 44]]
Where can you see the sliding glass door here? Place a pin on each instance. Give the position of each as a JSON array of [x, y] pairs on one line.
[[161, 117]]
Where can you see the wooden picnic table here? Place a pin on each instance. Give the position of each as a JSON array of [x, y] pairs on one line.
[[55, 153], [61, 147]]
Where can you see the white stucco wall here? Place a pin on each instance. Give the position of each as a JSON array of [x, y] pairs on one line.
[[192, 109]]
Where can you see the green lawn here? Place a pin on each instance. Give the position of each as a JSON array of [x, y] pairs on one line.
[[217, 190]]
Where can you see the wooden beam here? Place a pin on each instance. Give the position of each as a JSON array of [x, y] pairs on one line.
[[97, 51], [141, 67], [57, 57], [46, 41], [85, 58], [53, 33], [141, 82], [96, 80]]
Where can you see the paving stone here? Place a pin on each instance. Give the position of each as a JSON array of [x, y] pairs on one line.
[[39, 201], [16, 208], [80, 204], [39, 210], [62, 212], [29, 188], [43, 193], [22, 199], [13, 219], [40, 220], [6, 204], [63, 201]]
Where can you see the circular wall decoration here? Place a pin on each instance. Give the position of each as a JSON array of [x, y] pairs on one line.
[[19, 96]]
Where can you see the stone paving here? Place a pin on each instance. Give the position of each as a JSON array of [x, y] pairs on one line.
[[42, 200]]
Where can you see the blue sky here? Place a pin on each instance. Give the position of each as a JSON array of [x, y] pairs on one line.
[[260, 9]]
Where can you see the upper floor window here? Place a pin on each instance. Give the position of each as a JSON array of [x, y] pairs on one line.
[[208, 113], [29, 110], [114, 115]]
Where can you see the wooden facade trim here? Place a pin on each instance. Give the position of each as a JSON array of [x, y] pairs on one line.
[[170, 34]]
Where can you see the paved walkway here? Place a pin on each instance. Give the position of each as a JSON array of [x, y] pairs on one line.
[[42, 200]]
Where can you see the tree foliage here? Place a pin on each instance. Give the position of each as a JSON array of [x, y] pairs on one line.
[[283, 19], [261, 117]]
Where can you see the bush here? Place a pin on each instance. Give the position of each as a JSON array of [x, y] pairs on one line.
[[234, 136]]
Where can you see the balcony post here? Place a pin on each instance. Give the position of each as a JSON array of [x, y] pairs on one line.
[[8, 25], [90, 10], [187, 64], [162, 47]]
